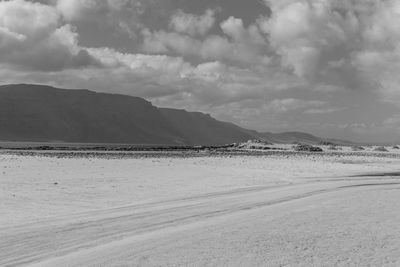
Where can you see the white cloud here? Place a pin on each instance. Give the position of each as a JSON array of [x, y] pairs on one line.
[[191, 24], [163, 42], [311, 36], [380, 57], [350, 44], [146, 65], [28, 19], [38, 41], [317, 111], [234, 28], [122, 16], [74, 9], [282, 70], [81, 10], [239, 45], [291, 104]]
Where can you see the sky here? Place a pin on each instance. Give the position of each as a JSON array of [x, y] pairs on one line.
[[327, 67]]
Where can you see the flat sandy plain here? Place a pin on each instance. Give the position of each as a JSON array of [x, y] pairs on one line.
[[199, 208]]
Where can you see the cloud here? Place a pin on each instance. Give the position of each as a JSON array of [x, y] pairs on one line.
[[145, 65], [209, 83], [380, 56], [191, 24], [295, 65], [239, 45], [348, 44], [234, 28], [83, 10], [118, 15], [163, 42], [291, 104], [316, 111], [312, 38], [125, 17], [38, 41], [45, 48]]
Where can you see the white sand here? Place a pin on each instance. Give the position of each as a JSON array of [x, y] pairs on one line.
[[239, 210]]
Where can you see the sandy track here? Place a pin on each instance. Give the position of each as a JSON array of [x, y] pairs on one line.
[[89, 238]]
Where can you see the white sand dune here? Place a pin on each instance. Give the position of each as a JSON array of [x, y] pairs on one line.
[[300, 210]]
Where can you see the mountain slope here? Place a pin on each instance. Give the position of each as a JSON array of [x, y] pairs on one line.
[[39, 113], [200, 128], [42, 113]]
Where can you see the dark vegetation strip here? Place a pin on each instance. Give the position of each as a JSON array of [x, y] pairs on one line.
[[188, 152]]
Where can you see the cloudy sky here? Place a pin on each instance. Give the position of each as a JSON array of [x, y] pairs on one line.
[[328, 67]]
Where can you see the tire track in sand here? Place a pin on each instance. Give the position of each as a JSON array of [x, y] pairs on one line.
[[57, 237]]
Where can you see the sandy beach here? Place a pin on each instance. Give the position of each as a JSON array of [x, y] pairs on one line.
[[213, 209]]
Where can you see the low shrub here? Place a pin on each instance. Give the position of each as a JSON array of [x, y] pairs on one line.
[[307, 148], [380, 149], [358, 148]]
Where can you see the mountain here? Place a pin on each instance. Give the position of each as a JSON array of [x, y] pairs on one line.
[[200, 128], [43, 113], [39, 113]]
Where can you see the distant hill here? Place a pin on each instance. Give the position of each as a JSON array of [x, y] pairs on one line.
[[38, 113], [291, 137]]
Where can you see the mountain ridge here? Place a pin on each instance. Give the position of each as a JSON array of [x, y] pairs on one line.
[[44, 113]]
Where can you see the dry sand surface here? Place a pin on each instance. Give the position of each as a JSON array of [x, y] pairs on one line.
[[199, 209]]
